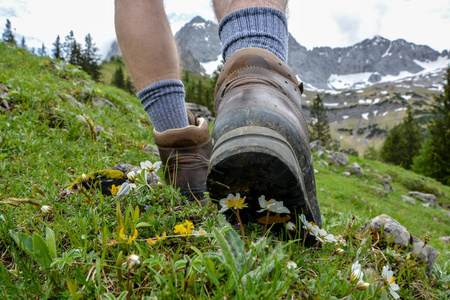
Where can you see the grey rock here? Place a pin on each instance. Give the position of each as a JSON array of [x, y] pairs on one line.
[[81, 118], [387, 185], [320, 154], [346, 173], [339, 158], [392, 229], [4, 88], [323, 163], [388, 178], [426, 204], [102, 102], [315, 145], [129, 107], [5, 104], [408, 199], [356, 169], [199, 110], [445, 239], [365, 165], [74, 101], [401, 237], [150, 149], [99, 129], [427, 253], [316, 171], [430, 198]]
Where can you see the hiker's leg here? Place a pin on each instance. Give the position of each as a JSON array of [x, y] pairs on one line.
[[254, 23], [150, 54]]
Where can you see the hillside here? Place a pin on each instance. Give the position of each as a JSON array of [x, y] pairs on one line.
[[56, 124]]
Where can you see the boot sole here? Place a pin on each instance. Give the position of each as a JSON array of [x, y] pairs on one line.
[[255, 161]]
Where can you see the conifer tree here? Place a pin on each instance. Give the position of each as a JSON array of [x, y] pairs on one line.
[[72, 50], [90, 59], [23, 44], [42, 51], [403, 142], [57, 51], [8, 35], [118, 79], [434, 158], [130, 86], [320, 127]]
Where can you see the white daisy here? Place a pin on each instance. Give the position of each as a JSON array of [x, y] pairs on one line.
[[272, 205], [389, 280]]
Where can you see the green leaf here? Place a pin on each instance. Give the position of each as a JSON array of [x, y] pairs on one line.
[[41, 251], [136, 215], [50, 240], [72, 286], [123, 295], [227, 255], [143, 224], [24, 242]]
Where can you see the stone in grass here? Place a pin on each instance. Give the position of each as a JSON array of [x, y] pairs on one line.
[[356, 169], [339, 158], [103, 180], [402, 238], [102, 102], [430, 198], [315, 145], [151, 149], [408, 199]]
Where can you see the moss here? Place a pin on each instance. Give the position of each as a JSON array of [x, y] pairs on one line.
[[96, 176]]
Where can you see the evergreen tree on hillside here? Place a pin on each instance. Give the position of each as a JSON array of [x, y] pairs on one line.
[[320, 127], [434, 158], [118, 79], [72, 50], [130, 86], [23, 44], [42, 51], [90, 58], [403, 142], [8, 35], [57, 51]]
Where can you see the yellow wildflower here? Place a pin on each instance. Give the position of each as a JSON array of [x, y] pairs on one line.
[[162, 238], [185, 228], [114, 189], [129, 238], [99, 91], [151, 241]]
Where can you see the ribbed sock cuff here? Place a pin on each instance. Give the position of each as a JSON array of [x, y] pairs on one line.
[[164, 103], [260, 27]]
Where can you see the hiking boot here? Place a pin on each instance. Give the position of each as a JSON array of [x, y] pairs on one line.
[[260, 139], [185, 154]]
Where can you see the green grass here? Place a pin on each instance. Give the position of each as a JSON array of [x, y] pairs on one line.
[[78, 251]]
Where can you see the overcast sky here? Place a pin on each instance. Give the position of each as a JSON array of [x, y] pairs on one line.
[[313, 23]]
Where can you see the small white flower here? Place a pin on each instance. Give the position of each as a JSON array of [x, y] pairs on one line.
[[151, 167], [84, 178], [291, 226], [389, 280], [131, 176], [125, 189], [272, 205], [133, 260], [357, 274], [291, 265], [321, 234], [46, 209], [232, 201]]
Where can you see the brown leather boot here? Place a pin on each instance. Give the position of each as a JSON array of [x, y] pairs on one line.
[[260, 139], [185, 154]]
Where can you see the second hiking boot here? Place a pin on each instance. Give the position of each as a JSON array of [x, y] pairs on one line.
[[260, 142]]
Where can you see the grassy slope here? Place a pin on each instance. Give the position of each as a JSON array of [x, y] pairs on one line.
[[42, 140]]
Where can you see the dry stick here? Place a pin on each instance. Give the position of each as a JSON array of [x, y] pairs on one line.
[[240, 223], [267, 221]]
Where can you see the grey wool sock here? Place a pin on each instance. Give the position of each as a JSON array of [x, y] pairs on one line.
[[260, 27], [164, 103]]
